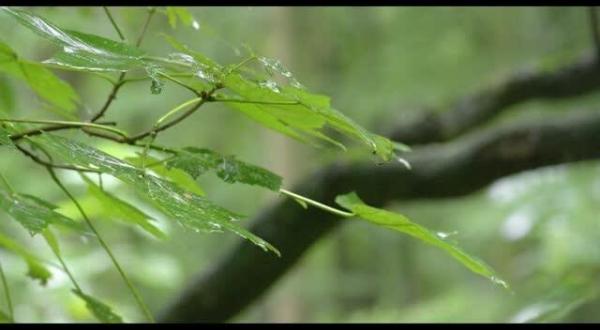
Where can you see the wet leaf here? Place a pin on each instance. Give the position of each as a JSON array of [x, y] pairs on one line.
[[196, 161], [81, 50], [100, 310], [402, 224], [190, 210], [32, 214], [121, 210], [36, 270], [175, 175]]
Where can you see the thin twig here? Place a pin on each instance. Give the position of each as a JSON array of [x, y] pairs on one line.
[[114, 24], [151, 12], [132, 288], [52, 165]]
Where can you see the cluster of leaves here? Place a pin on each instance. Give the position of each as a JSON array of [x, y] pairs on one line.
[[167, 179]]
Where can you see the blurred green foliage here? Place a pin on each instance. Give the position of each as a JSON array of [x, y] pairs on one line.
[[539, 229]]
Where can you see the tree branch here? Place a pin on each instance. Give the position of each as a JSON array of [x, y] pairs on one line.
[[452, 169], [576, 79]]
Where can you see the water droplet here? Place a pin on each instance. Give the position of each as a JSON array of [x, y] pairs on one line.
[[156, 86], [270, 85], [499, 281], [444, 235], [196, 25], [404, 162]]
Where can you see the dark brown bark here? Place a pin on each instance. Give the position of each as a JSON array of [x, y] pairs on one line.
[[573, 80]]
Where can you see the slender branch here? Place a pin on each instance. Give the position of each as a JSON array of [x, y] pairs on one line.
[[9, 302], [114, 24], [120, 80], [317, 204], [59, 124], [111, 97], [52, 165], [132, 288], [151, 12]]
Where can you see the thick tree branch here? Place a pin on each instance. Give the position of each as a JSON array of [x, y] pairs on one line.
[[456, 168], [575, 79]]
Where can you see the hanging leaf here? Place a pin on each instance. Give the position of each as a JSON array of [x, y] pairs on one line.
[[41, 80], [36, 270], [402, 224], [81, 51], [189, 209], [196, 161], [121, 210], [100, 310], [295, 112], [32, 214]]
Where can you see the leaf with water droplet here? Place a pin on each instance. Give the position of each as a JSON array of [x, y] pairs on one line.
[[190, 210], [100, 310], [175, 175], [81, 51], [402, 224], [196, 161], [32, 214]]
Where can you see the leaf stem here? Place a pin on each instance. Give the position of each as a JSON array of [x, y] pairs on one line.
[[68, 124], [60, 259], [177, 109], [317, 204], [11, 312], [132, 289]]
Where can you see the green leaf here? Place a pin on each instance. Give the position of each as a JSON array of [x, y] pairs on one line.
[[41, 80], [119, 209], [179, 13], [297, 113], [36, 270], [81, 51], [189, 209], [5, 137], [402, 224], [175, 175], [32, 214], [196, 161], [100, 310]]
